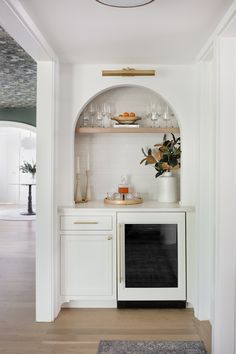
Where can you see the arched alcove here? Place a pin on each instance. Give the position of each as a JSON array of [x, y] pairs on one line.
[[109, 155], [123, 98]]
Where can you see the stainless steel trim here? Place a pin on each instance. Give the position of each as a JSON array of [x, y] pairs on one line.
[[85, 222]]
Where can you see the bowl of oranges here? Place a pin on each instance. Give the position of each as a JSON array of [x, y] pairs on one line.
[[126, 118]]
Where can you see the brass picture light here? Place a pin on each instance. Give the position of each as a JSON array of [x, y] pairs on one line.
[[128, 72]]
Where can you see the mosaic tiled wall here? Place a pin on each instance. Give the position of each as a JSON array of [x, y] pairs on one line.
[[17, 74]]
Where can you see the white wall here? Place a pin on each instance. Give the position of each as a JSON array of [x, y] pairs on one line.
[[225, 252], [176, 84], [205, 205], [20, 26], [46, 236], [113, 155], [217, 189]]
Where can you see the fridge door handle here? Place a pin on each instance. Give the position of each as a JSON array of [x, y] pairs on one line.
[[121, 251]]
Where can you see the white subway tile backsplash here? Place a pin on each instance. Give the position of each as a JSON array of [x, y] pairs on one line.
[[114, 155]]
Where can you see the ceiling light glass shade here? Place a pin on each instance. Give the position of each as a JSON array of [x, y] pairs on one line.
[[125, 3]]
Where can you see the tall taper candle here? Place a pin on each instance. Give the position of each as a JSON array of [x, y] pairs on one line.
[[78, 167]]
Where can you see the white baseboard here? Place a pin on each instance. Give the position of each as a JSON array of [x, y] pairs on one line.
[[90, 304]]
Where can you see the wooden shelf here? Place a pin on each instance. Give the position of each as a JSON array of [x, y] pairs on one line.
[[85, 130]]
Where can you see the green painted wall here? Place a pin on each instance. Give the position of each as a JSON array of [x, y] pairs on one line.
[[20, 115]]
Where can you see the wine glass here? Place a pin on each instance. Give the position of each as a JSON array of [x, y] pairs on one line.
[[106, 112], [99, 117], [92, 113], [154, 115], [167, 117], [154, 118], [84, 119]]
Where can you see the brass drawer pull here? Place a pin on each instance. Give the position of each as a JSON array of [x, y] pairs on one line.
[[85, 222]]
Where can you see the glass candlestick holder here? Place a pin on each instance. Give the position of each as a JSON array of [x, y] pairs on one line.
[[88, 189], [78, 195]]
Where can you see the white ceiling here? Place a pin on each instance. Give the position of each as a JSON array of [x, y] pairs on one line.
[[163, 32]]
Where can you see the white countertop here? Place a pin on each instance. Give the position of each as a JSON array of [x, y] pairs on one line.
[[146, 206]]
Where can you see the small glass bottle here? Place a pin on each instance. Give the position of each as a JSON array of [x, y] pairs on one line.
[[123, 186]]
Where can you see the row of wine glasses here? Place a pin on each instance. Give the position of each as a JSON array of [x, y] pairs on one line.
[[96, 115], [160, 116], [157, 115]]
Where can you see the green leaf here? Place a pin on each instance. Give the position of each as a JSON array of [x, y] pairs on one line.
[[28, 168], [173, 138], [173, 161], [143, 160], [159, 174], [165, 158], [170, 153], [144, 152]]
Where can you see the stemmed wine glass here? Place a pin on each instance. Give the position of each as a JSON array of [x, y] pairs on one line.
[[92, 109], [85, 119], [167, 117], [153, 113], [106, 113], [99, 117], [154, 118]]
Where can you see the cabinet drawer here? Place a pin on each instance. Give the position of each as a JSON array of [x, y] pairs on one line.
[[86, 222]]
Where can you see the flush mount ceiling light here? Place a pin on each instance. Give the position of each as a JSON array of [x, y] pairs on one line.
[[125, 3]]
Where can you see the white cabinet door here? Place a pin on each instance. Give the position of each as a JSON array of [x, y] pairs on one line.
[[86, 265]]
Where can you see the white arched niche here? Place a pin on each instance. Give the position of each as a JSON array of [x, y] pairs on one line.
[[108, 156]]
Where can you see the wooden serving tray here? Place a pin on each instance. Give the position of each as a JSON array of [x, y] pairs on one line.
[[123, 202]]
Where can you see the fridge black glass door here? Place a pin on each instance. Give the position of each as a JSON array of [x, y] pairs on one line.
[[151, 256]]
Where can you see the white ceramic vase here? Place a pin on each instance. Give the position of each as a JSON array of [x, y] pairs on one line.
[[167, 188]]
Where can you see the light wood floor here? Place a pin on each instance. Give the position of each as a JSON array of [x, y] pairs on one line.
[[75, 331]]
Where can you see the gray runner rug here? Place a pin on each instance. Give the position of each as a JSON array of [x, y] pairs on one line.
[[151, 347]]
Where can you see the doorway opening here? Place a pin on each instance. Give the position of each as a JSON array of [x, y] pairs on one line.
[[17, 145]]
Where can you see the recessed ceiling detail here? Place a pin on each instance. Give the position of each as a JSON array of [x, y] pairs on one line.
[[125, 3], [17, 74], [165, 32]]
